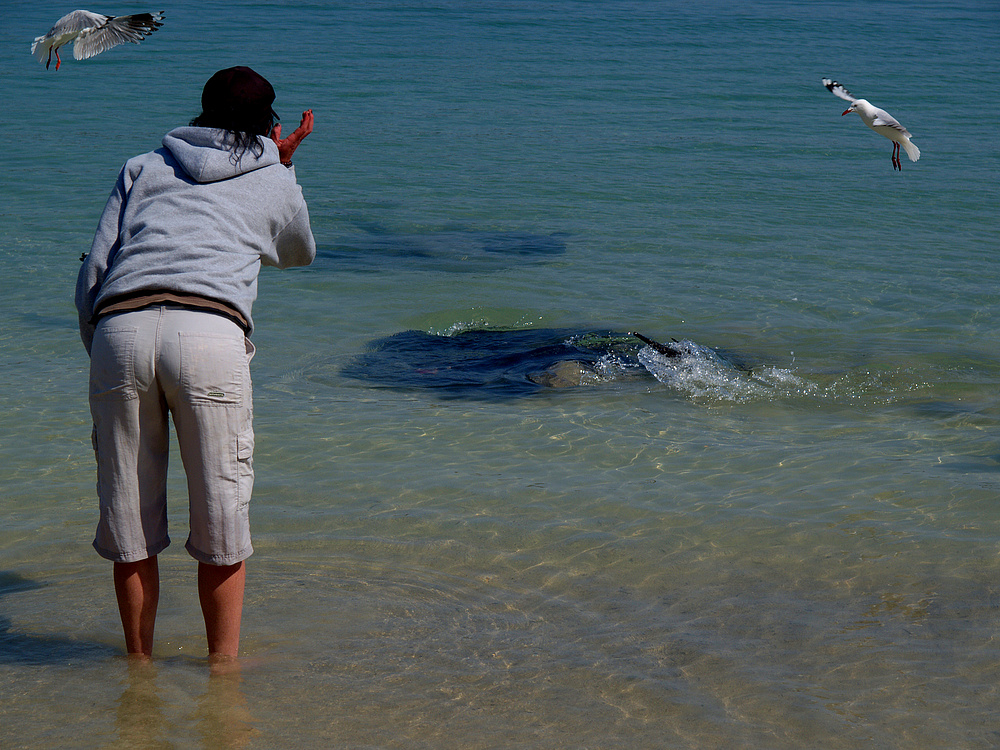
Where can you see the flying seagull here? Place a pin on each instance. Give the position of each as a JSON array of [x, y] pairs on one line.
[[878, 120], [93, 33]]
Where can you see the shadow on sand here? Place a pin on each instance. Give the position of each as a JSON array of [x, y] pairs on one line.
[[24, 648], [453, 251]]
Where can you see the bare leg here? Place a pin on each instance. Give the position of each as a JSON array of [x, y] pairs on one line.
[[220, 589], [137, 587]]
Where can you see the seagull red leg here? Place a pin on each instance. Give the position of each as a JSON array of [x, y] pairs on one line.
[[895, 157], [58, 60]]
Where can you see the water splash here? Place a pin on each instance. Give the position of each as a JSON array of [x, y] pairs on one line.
[[701, 373]]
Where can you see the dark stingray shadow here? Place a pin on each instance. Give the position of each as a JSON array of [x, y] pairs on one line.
[[974, 465], [27, 649], [495, 365], [452, 251]]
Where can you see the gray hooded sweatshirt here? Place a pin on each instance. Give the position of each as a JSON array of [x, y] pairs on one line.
[[185, 219]]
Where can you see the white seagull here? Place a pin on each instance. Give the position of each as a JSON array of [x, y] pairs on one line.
[[94, 33], [878, 120]]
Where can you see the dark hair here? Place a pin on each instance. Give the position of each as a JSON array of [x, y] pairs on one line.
[[238, 100], [246, 133]]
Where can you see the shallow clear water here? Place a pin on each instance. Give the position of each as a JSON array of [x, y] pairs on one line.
[[796, 551]]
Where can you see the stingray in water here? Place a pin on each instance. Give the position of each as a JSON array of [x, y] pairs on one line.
[[498, 364]]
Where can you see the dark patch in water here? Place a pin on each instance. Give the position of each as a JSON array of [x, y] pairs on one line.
[[490, 364], [455, 251]]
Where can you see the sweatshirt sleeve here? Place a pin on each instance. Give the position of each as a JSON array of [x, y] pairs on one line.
[[95, 265], [294, 244]]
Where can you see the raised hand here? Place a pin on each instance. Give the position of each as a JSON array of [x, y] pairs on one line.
[[287, 146]]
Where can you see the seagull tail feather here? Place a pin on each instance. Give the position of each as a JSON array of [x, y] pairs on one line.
[[39, 50], [912, 151]]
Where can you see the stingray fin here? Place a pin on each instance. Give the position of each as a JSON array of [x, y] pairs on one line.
[[665, 349]]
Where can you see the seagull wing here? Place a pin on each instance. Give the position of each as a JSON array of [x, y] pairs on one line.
[[78, 20], [838, 90], [114, 31], [884, 119]]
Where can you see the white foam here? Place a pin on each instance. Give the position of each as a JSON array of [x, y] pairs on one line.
[[701, 373]]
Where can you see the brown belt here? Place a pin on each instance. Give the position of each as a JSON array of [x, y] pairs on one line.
[[190, 301]]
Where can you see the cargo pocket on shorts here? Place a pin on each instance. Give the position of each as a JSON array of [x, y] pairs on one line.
[[244, 467], [97, 457]]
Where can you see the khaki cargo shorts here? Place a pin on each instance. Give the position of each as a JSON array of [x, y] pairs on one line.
[[150, 364]]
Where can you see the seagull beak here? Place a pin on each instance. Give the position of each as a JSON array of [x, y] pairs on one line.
[[846, 112]]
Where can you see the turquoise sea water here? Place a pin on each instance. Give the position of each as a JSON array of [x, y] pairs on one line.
[[795, 545]]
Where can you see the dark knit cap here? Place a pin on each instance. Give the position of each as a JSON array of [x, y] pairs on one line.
[[238, 91]]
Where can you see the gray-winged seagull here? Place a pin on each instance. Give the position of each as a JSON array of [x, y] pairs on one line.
[[878, 120], [93, 33]]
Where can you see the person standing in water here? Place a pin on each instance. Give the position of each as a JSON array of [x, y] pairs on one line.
[[164, 299]]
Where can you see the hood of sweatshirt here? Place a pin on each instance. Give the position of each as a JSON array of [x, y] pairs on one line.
[[205, 154]]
